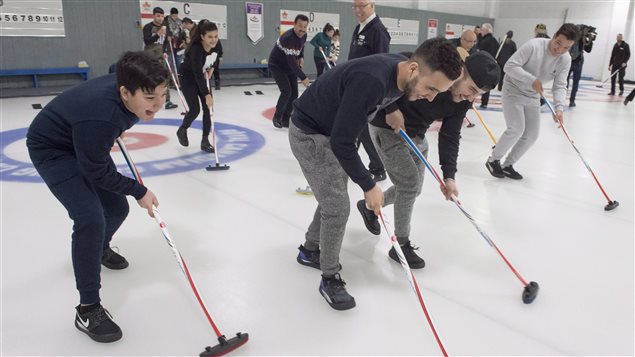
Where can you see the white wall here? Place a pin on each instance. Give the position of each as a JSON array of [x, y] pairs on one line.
[[609, 17], [482, 8]]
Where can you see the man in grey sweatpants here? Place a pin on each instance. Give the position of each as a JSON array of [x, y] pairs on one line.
[[480, 74], [538, 61], [325, 124]]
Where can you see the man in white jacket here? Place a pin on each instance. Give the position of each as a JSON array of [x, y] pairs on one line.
[[538, 61]]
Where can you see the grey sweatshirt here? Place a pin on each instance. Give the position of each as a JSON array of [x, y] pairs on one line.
[[533, 61]]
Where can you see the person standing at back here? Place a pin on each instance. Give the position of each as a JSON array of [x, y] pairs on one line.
[[508, 49], [154, 38], [285, 63], [619, 57], [488, 44], [369, 37]]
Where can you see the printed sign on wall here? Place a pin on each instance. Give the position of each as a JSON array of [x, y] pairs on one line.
[[195, 11], [32, 18], [402, 32], [453, 31], [255, 25], [433, 26], [317, 20]]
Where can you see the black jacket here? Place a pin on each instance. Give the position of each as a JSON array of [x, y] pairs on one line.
[[620, 54], [489, 44], [373, 39], [341, 102]]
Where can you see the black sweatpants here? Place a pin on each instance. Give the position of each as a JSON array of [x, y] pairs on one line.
[[288, 85], [192, 96], [96, 215]]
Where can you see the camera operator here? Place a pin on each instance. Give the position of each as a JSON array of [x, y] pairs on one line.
[[584, 44]]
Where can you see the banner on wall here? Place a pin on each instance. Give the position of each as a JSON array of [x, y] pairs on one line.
[[453, 31], [402, 32], [433, 26], [195, 11], [254, 10], [32, 18], [317, 21]]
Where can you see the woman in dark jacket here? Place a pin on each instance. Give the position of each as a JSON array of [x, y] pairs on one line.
[[195, 72]]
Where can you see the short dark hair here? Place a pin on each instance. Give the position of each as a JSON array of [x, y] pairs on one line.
[[300, 17], [174, 11], [439, 54], [187, 20], [570, 31], [157, 10], [328, 27], [139, 70]]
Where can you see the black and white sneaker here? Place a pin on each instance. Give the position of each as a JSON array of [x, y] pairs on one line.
[[370, 220], [97, 323], [206, 145], [511, 173], [494, 168], [310, 258], [414, 261], [113, 260], [333, 290]]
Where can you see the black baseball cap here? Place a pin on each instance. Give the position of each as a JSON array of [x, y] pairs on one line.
[[483, 69]]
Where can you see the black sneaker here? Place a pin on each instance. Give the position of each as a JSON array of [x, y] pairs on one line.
[[181, 134], [310, 258], [482, 106], [379, 176], [571, 104], [621, 93], [97, 323], [170, 105], [370, 220], [511, 173], [217, 86], [494, 168], [413, 260], [206, 146], [334, 292], [277, 123], [611, 93], [112, 260]]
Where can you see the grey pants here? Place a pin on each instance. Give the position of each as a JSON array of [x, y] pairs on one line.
[[329, 182], [405, 170], [522, 116]]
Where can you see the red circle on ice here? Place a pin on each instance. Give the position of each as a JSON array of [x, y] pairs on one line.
[[137, 141], [268, 114]]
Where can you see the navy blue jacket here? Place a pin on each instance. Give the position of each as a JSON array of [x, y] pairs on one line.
[[341, 102], [77, 129], [373, 39], [421, 113], [289, 48]]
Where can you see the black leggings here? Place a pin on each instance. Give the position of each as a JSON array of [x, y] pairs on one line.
[[192, 96]]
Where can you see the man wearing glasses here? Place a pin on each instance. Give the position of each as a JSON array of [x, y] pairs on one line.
[[467, 41], [370, 37]]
